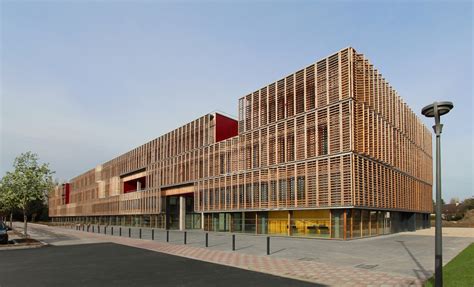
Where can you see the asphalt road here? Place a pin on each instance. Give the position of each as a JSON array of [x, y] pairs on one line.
[[108, 264]]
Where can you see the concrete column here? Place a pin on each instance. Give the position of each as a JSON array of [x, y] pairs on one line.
[[182, 212], [289, 223], [139, 185]]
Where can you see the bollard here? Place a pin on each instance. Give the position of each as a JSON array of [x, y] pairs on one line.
[[185, 238], [129, 232], [112, 230], [268, 245], [207, 239], [153, 234], [167, 236], [140, 234], [233, 242], [120, 231]]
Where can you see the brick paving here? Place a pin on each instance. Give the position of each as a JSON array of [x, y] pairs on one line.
[[309, 271]]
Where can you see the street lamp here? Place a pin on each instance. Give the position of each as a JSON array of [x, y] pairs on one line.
[[436, 110]]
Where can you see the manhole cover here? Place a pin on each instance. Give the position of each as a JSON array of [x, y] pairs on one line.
[[366, 266]]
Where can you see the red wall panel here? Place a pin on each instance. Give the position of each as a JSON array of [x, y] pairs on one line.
[[131, 185], [67, 192], [225, 127]]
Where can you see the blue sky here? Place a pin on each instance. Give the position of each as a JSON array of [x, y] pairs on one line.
[[82, 82]]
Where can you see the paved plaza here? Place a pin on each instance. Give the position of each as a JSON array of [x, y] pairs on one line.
[[398, 259]]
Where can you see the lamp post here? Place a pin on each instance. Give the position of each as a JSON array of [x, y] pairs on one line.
[[436, 110]]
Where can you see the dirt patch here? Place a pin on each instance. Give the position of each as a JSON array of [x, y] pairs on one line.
[[25, 241]]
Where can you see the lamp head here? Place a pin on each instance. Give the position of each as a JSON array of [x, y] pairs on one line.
[[437, 109]]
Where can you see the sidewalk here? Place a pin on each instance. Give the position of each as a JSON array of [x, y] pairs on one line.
[[311, 271]]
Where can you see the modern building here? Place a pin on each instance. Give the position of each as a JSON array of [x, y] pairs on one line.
[[329, 151]]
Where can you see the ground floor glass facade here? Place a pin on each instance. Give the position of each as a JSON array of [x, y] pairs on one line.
[[322, 223], [325, 223]]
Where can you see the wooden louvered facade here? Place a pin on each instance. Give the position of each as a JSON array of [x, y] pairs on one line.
[[333, 136]]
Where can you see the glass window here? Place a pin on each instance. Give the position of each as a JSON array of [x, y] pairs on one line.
[[241, 195], [278, 222], [222, 197], [262, 223], [380, 217], [323, 139], [211, 198], [264, 191], [356, 223], [249, 195], [256, 158], [236, 222], [301, 187], [337, 224], [373, 223], [311, 223], [291, 188], [273, 190], [282, 190], [222, 164], [234, 196], [348, 223], [365, 223], [249, 222]]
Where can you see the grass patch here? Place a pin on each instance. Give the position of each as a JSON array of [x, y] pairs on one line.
[[458, 272]]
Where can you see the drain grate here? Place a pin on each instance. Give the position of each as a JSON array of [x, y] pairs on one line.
[[366, 266]]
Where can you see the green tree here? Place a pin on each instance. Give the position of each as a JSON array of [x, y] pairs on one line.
[[28, 182], [468, 203], [7, 199]]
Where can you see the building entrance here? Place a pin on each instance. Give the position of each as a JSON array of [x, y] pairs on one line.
[[179, 206]]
